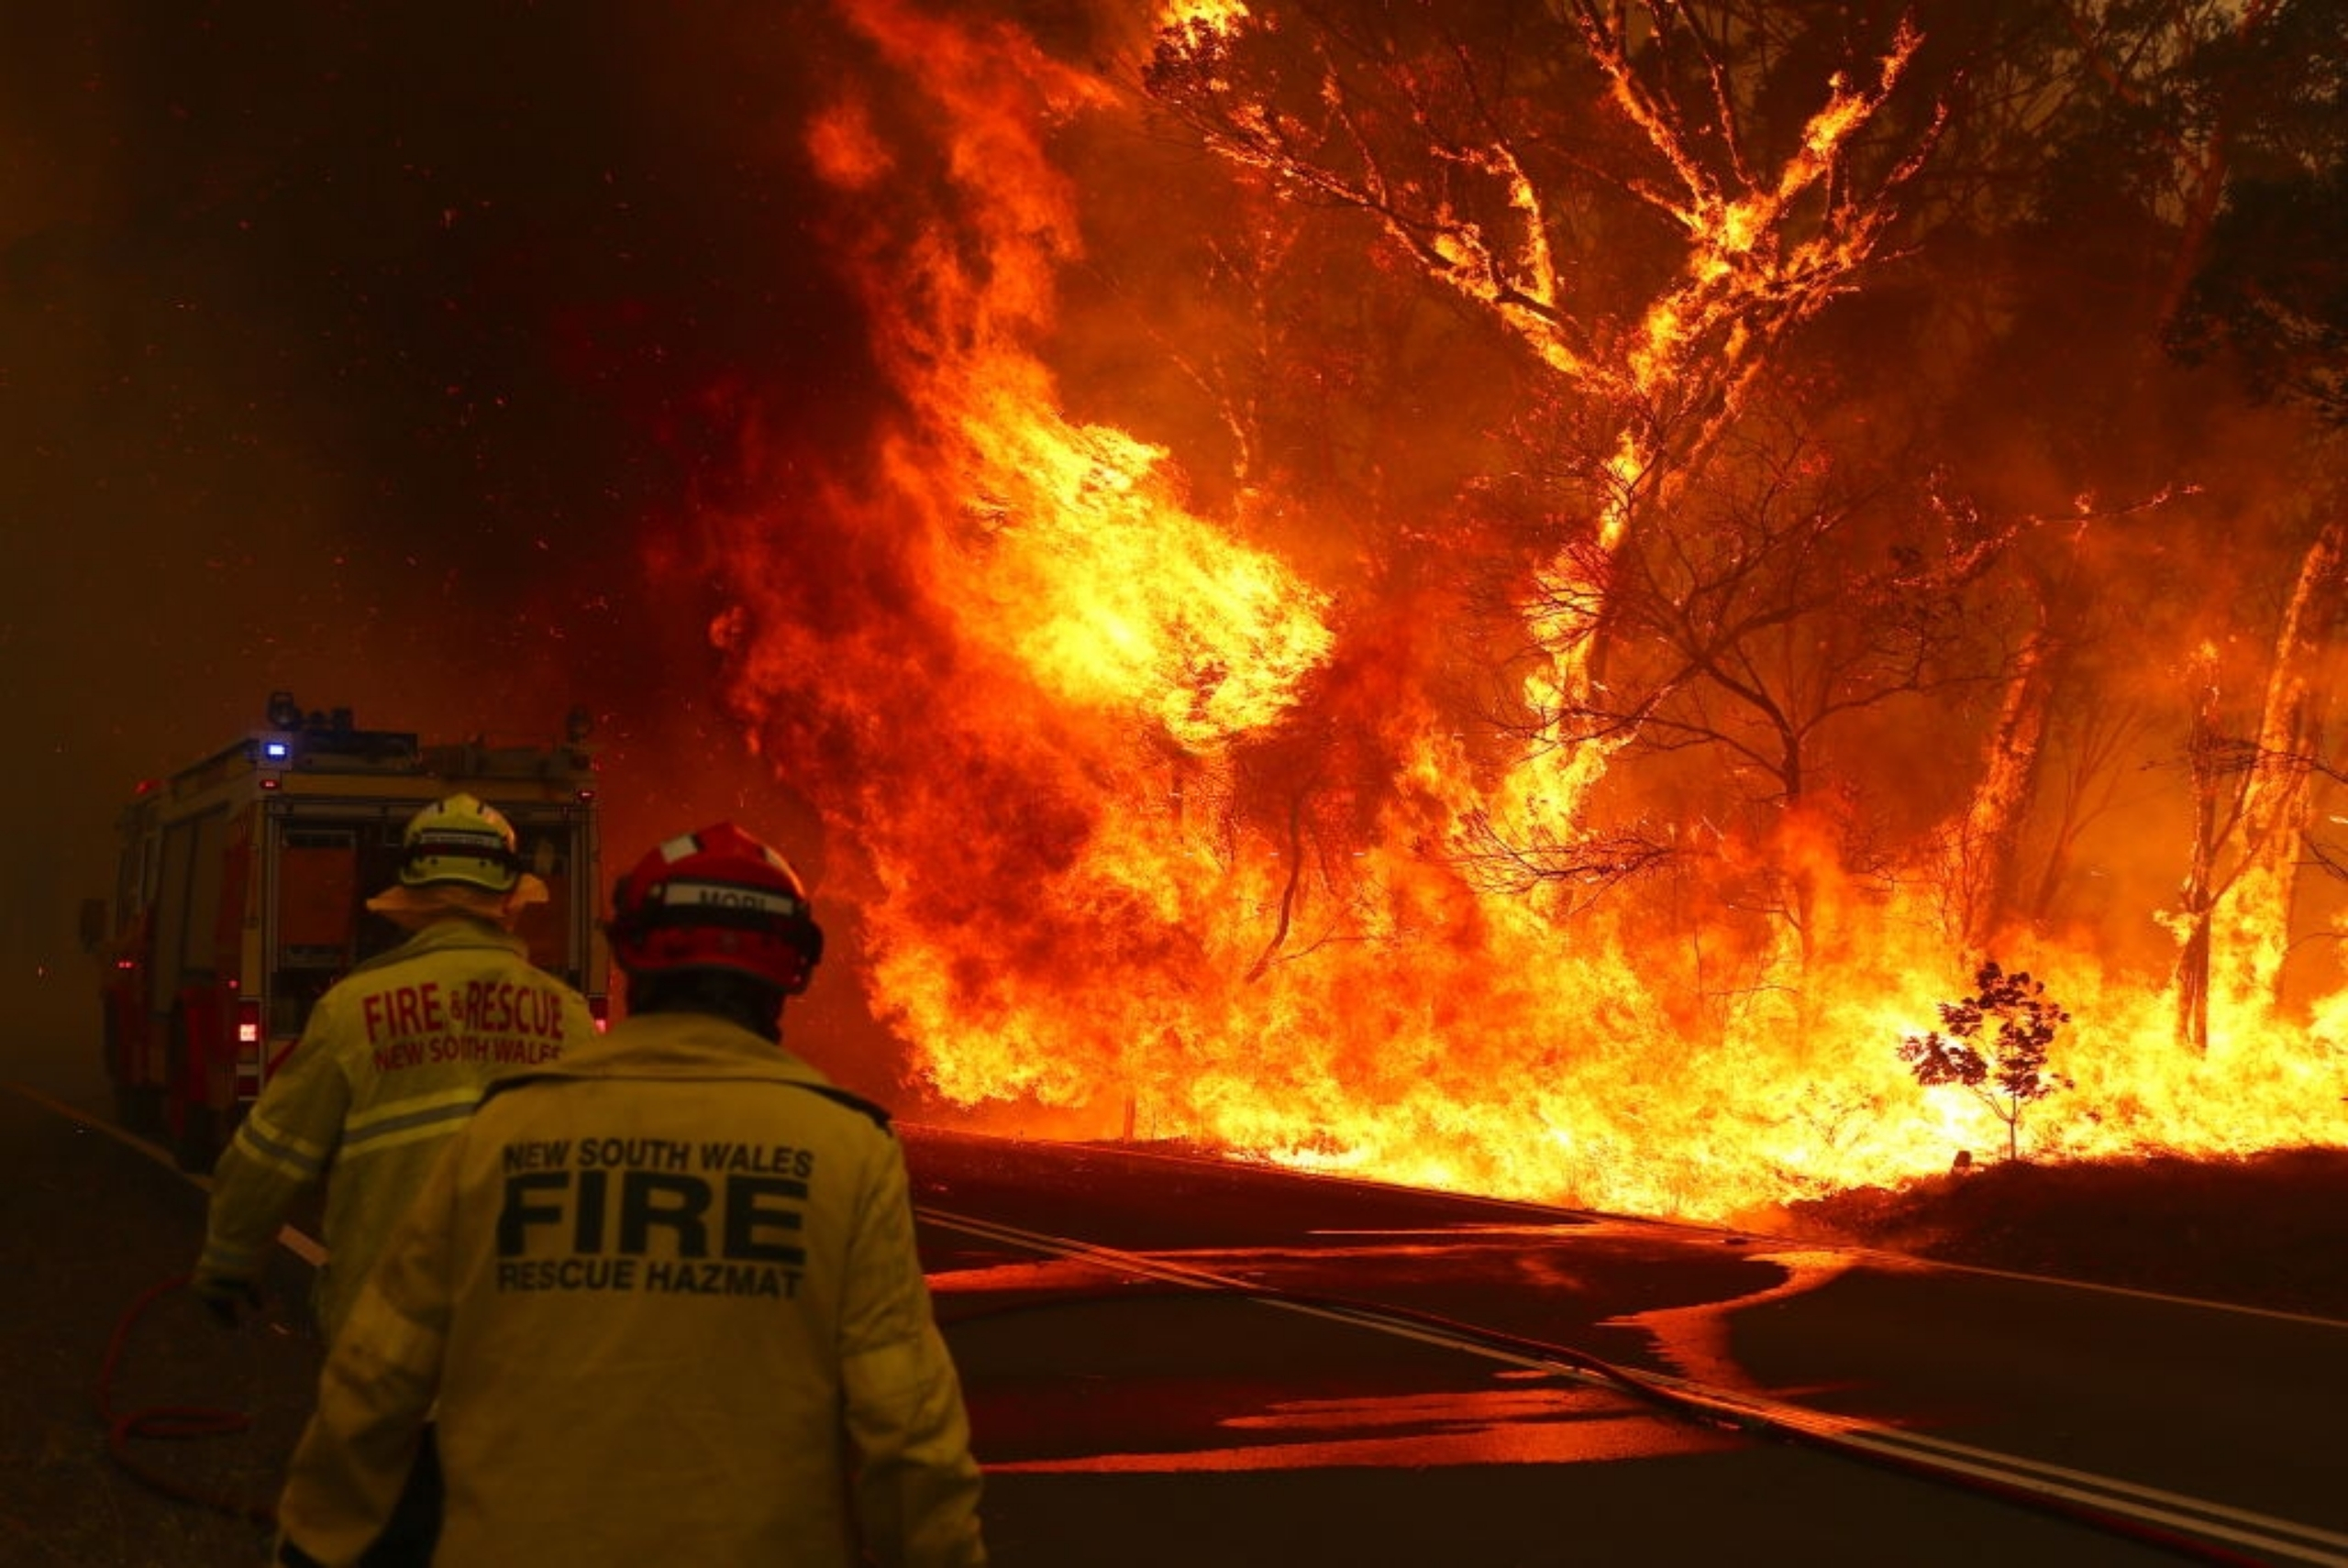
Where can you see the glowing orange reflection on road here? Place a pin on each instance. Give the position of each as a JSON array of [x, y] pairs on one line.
[[1543, 1424], [1513, 1414]]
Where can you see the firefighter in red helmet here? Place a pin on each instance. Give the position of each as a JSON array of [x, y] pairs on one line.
[[661, 1297]]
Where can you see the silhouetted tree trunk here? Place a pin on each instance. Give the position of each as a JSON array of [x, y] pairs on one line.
[[2208, 774], [1989, 845], [2253, 930]]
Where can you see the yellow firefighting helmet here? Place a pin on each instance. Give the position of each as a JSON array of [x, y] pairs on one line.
[[460, 839]]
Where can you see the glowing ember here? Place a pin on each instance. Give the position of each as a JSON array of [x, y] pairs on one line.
[[1163, 836]]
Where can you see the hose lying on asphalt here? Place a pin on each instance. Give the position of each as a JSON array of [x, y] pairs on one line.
[[167, 1422]]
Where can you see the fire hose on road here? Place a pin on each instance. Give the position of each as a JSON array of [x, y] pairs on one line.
[[127, 1430], [170, 1423]]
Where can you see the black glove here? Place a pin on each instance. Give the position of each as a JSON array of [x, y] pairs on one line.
[[230, 1301]]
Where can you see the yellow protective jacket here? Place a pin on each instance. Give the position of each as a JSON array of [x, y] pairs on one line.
[[394, 1058], [666, 1298]]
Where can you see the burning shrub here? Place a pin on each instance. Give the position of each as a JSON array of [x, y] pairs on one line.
[[2015, 1074]]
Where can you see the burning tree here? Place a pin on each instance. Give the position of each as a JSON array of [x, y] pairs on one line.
[[2264, 288], [2014, 1074], [1629, 193], [1620, 374], [1809, 589]]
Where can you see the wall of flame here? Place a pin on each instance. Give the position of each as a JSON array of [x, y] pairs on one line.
[[1149, 806]]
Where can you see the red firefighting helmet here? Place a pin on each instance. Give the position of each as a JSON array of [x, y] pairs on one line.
[[459, 839], [718, 899]]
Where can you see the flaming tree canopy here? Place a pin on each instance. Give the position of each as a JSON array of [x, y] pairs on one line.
[[1509, 597]]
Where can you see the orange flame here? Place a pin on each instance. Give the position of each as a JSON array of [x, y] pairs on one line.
[[1042, 727], [1214, 14]]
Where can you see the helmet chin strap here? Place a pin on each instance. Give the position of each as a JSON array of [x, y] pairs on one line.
[[412, 908]]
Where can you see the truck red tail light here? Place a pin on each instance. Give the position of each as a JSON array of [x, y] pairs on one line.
[[600, 1010], [249, 1049]]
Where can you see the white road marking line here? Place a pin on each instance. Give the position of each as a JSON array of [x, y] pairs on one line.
[[309, 1250], [2012, 1470], [2285, 1538], [1585, 1218]]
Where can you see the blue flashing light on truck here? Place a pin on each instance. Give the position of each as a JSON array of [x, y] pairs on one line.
[[241, 897]]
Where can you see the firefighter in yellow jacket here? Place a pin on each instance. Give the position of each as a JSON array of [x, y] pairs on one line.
[[394, 1057], [663, 1296]]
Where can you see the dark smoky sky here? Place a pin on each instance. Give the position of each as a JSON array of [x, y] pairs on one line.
[[386, 353]]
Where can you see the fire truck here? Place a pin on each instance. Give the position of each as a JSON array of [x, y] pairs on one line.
[[242, 890]]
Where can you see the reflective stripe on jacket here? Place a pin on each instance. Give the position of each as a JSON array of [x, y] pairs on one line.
[[668, 1306], [394, 1060]]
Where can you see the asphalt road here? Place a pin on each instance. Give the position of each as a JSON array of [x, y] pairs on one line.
[[1175, 1362], [1171, 1362]]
